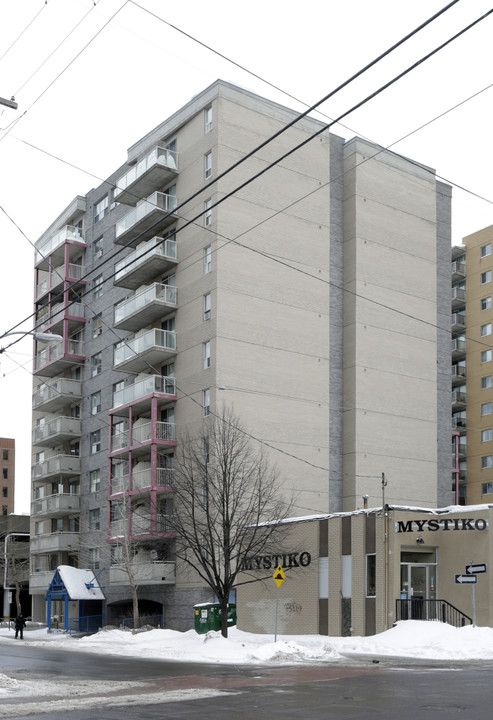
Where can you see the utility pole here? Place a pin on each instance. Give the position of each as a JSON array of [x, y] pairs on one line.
[[9, 103]]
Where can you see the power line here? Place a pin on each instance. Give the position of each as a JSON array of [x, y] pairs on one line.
[[23, 31]]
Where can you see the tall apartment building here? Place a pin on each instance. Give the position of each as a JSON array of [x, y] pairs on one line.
[[7, 470], [308, 302], [472, 366]]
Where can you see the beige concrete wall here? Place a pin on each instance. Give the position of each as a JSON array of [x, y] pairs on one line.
[[476, 370], [390, 357]]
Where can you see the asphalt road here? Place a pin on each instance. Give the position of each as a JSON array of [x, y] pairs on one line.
[[84, 686]]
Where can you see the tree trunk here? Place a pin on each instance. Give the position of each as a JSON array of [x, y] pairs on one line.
[[135, 603], [224, 617]]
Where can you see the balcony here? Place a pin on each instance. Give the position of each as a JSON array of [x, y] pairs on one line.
[[459, 400], [139, 394], [58, 393], [156, 211], [458, 374], [458, 271], [458, 322], [55, 542], [51, 252], [53, 360], [143, 480], [59, 466], [458, 298], [155, 257], [155, 170], [153, 348], [141, 310], [56, 505], [53, 318], [40, 580], [162, 433], [56, 431], [459, 424], [150, 573], [458, 348]]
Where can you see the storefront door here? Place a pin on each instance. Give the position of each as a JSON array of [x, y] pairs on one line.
[[418, 588]]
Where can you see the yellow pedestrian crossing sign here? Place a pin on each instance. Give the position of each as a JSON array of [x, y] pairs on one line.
[[279, 576]]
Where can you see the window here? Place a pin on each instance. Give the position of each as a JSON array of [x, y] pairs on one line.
[[207, 306], [487, 488], [5, 473], [207, 259], [208, 212], [486, 461], [97, 325], [485, 329], [208, 118], [206, 401], [97, 287], [95, 441], [486, 382], [94, 519], [96, 364], [97, 249], [94, 558], [5, 454], [486, 356], [206, 352], [486, 408], [486, 435], [116, 554], [208, 165], [96, 403], [486, 250], [371, 575], [485, 277], [5, 492], [5, 510], [101, 209], [205, 450], [486, 303], [94, 480]]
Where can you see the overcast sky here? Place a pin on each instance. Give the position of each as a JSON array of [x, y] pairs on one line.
[[90, 80]]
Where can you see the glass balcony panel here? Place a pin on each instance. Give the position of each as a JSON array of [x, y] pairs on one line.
[[56, 505], [56, 431], [61, 465], [150, 348], [145, 573], [157, 208], [54, 542], [154, 170], [146, 306], [68, 233], [119, 484], [164, 431], [142, 388], [151, 258], [57, 393]]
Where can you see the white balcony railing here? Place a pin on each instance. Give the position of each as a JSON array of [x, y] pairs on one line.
[[67, 426], [56, 465], [164, 431], [56, 389], [157, 292], [147, 386], [165, 339], [151, 249], [158, 156], [69, 232], [157, 201]]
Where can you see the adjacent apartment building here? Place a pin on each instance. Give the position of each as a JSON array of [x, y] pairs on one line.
[[309, 301], [472, 367], [7, 470]]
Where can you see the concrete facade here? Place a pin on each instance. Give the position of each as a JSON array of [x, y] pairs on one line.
[[279, 303], [7, 474]]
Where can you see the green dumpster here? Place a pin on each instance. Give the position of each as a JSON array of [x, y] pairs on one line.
[[208, 617]]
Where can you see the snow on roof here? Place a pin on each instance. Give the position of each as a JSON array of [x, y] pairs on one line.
[[76, 581]]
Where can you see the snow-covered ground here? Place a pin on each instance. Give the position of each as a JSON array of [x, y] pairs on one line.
[[408, 639]]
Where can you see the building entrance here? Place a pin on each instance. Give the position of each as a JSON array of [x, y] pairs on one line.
[[418, 584]]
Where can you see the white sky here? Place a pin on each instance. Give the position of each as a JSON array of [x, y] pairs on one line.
[[86, 105], [409, 639]]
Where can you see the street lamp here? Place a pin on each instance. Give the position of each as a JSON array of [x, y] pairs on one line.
[[43, 336]]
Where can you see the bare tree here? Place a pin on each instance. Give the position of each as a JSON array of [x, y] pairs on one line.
[[126, 555], [229, 504]]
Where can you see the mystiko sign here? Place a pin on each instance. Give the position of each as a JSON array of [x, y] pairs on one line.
[[434, 524]]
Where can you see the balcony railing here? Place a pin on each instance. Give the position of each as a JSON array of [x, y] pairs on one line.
[[56, 431], [459, 397], [142, 388], [69, 232], [458, 346], [146, 306], [147, 573], [56, 504], [156, 253], [148, 212], [151, 347], [154, 170], [61, 465], [142, 479], [56, 394], [55, 542], [54, 351], [164, 431]]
